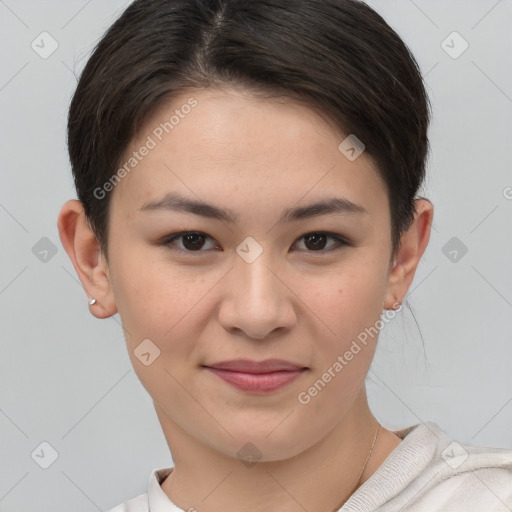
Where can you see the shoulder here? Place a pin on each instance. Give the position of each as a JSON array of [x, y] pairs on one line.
[[461, 477], [137, 504], [430, 472], [470, 476]]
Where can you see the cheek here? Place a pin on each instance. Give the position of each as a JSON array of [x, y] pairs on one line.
[[161, 302], [140, 300], [164, 307], [344, 301], [346, 306]]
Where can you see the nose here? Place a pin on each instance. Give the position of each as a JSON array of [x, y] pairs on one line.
[[257, 300]]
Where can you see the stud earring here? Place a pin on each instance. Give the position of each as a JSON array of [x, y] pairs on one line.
[[92, 301]]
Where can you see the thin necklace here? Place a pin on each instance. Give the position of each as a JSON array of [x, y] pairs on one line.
[[361, 475]]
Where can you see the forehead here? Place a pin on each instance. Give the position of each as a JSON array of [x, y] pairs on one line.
[[252, 152]]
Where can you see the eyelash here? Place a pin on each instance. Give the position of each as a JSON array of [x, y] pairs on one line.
[[167, 241]]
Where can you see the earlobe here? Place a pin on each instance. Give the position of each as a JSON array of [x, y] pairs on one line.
[[84, 251], [413, 244]]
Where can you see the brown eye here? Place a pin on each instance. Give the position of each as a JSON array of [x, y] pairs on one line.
[[316, 241], [191, 241]]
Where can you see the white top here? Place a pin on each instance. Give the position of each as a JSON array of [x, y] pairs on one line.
[[427, 472]]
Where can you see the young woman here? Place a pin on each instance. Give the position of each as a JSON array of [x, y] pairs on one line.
[[247, 178]]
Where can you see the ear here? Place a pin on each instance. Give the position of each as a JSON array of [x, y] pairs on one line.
[[84, 251], [412, 246]]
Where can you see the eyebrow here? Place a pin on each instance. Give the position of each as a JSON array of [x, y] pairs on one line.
[[178, 203]]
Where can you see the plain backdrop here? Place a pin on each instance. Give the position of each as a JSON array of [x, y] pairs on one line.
[[67, 388]]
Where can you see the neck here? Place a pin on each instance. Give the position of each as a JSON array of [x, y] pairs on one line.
[[319, 479]]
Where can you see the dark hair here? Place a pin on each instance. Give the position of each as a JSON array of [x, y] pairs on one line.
[[337, 56]]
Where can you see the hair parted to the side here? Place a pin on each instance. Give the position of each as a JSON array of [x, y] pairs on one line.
[[339, 57]]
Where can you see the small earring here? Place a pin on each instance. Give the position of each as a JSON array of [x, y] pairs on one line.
[[92, 301]]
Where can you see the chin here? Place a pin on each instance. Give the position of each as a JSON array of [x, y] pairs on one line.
[[253, 446]]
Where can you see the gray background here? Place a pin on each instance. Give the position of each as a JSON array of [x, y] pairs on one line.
[[65, 376]]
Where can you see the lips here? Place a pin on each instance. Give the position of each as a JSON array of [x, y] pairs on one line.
[[257, 377], [248, 366]]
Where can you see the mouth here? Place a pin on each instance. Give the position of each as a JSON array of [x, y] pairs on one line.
[[257, 377]]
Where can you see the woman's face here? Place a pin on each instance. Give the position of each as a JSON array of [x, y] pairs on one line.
[[257, 286]]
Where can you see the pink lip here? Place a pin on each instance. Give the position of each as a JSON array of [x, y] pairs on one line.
[[253, 376]]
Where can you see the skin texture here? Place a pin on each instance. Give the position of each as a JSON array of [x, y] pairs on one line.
[[256, 157]]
